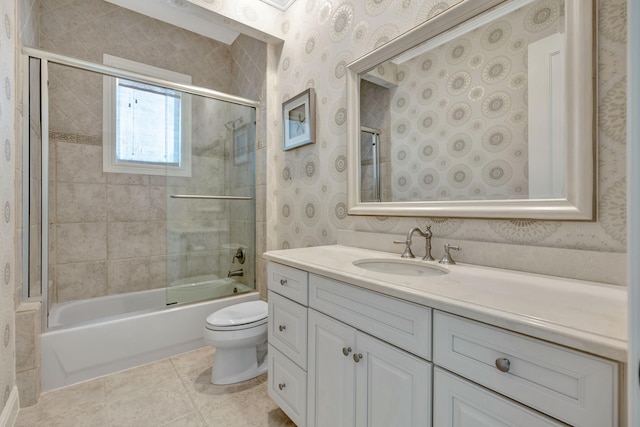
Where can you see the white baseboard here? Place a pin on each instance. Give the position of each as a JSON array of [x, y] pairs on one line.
[[9, 415]]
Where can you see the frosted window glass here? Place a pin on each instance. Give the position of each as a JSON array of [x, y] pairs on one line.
[[148, 124]]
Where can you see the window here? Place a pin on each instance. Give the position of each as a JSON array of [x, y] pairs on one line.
[[146, 128]]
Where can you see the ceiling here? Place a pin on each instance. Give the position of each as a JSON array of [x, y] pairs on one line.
[[280, 4], [186, 15]]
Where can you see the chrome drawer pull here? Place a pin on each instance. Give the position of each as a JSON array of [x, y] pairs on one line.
[[283, 282], [281, 386], [346, 350], [503, 364], [357, 357], [282, 327]]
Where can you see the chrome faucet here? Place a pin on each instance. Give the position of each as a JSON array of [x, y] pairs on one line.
[[427, 234], [239, 255], [238, 272], [447, 258]]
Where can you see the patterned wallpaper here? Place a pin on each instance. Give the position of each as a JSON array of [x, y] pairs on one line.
[[460, 117], [307, 186], [7, 198]]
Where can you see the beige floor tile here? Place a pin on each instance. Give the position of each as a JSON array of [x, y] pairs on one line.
[[173, 392], [152, 374], [153, 406], [252, 409], [191, 420], [80, 416], [60, 402], [203, 393], [194, 361]]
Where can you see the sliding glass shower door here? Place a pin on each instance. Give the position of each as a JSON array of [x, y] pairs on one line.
[[147, 187]]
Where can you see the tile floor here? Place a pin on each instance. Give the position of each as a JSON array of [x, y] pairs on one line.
[[171, 392]]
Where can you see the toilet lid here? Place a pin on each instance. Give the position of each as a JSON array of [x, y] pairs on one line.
[[239, 314]]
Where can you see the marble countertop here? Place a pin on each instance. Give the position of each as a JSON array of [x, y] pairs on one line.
[[586, 316]]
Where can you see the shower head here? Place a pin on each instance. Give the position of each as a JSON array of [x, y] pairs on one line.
[[231, 124]]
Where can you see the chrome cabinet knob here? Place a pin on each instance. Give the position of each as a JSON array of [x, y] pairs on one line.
[[283, 282], [503, 364], [346, 350], [281, 386], [282, 327], [357, 357]]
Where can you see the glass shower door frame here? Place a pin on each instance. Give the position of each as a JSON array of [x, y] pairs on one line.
[[45, 58]]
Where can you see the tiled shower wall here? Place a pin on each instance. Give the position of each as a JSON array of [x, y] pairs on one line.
[[248, 71], [113, 240]]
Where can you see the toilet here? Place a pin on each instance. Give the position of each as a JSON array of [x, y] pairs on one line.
[[239, 335]]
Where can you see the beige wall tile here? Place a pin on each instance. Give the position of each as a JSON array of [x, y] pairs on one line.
[[26, 340], [128, 275], [158, 237], [158, 272], [28, 383], [81, 242], [127, 203], [81, 280], [79, 163], [128, 240], [157, 202], [80, 203]]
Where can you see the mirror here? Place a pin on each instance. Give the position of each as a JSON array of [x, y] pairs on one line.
[[485, 111]]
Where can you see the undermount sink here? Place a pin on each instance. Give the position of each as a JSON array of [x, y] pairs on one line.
[[401, 267]]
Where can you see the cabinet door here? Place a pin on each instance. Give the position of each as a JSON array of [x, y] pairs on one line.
[[393, 387], [460, 403], [331, 372]]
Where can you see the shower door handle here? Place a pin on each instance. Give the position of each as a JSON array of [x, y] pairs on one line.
[[201, 196]]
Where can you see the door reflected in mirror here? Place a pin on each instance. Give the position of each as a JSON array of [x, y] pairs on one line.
[[462, 121], [478, 111]]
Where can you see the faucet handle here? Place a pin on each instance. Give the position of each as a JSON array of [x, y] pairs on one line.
[[446, 258], [407, 248]]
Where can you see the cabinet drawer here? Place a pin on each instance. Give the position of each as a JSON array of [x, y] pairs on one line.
[[288, 386], [288, 328], [289, 282], [573, 387], [397, 322], [460, 403]]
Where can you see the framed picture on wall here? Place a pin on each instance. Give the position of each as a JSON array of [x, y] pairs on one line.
[[241, 144], [299, 120]]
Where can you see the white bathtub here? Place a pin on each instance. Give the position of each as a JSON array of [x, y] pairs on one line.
[[103, 335]]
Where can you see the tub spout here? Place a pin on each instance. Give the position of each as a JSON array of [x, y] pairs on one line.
[[238, 272]]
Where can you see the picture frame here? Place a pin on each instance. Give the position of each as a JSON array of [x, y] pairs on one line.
[[299, 120], [241, 145]]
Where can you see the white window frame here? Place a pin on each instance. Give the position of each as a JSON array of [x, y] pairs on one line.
[[109, 145]]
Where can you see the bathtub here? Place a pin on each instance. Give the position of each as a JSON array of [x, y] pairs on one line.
[[90, 338]]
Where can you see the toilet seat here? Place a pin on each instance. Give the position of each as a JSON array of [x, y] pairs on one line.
[[239, 316]]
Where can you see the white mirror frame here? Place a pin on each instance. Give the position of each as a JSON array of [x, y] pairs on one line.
[[579, 203]]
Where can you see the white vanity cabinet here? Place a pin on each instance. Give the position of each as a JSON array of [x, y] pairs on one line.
[[573, 387], [361, 371], [461, 403], [344, 355], [357, 380], [287, 336]]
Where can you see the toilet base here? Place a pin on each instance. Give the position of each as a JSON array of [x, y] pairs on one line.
[[233, 365]]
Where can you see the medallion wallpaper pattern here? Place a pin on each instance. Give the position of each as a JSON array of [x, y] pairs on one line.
[[306, 188], [460, 123], [7, 199], [306, 195]]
